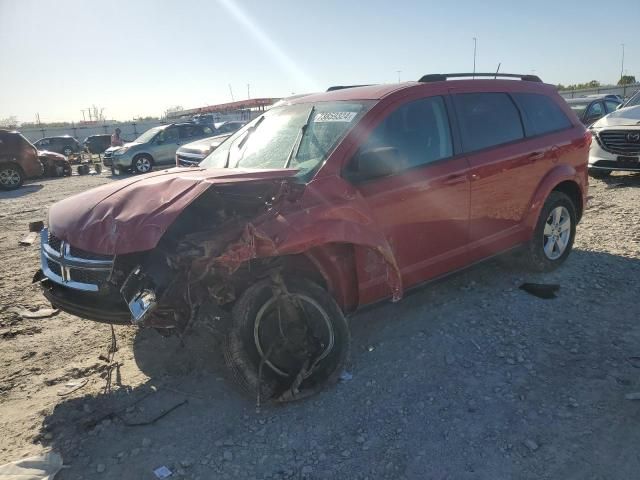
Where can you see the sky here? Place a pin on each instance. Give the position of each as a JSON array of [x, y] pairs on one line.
[[138, 58]]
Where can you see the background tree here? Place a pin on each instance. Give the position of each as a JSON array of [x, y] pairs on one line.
[[627, 80]]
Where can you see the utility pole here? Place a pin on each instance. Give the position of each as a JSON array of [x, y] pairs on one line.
[[398, 72], [248, 92], [231, 92], [475, 49], [622, 66]]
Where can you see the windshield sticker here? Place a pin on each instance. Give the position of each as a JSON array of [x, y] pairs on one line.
[[335, 117]]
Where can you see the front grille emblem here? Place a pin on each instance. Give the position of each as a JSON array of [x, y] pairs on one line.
[[633, 137]]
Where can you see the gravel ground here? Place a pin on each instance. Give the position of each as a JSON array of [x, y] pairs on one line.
[[468, 378]]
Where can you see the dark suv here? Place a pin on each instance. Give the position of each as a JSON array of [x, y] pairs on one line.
[[18, 160], [97, 143], [592, 108], [320, 206], [64, 144]]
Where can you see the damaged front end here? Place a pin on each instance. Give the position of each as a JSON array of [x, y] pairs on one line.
[[163, 287]]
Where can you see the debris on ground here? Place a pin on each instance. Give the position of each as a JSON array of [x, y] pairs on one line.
[[41, 313], [36, 226], [541, 290], [72, 386], [346, 376], [162, 472], [39, 467], [28, 239]]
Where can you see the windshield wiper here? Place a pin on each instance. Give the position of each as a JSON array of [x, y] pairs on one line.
[[296, 146], [250, 130]]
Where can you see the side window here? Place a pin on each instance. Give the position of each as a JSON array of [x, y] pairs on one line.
[[170, 135], [541, 114], [595, 109], [487, 119], [419, 132], [611, 105]]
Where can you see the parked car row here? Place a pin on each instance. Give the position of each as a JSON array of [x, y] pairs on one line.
[[318, 207], [20, 160], [158, 146]]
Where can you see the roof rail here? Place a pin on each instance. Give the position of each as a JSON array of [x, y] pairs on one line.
[[342, 87], [441, 77]]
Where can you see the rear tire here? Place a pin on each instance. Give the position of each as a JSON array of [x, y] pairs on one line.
[[599, 174], [11, 176], [265, 351], [554, 234], [66, 151]]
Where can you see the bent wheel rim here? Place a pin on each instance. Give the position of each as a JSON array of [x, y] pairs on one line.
[[143, 165], [557, 233], [263, 348], [9, 177]]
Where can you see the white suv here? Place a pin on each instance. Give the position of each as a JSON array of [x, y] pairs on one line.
[[617, 141]]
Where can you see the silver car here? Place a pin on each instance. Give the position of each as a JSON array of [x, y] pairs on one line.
[[155, 147], [193, 153]]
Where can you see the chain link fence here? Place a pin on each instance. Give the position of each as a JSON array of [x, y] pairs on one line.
[[624, 91]]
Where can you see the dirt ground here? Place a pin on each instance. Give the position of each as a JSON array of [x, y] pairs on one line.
[[468, 378]]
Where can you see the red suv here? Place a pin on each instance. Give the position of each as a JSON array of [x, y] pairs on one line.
[[322, 205]]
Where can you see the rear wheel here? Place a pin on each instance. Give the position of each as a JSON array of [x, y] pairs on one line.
[[286, 341], [11, 176], [67, 151], [554, 234], [599, 173], [142, 163]]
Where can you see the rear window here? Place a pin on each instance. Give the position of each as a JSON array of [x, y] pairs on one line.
[[541, 114], [487, 119]]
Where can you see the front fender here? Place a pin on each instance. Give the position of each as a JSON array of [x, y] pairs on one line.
[[329, 212]]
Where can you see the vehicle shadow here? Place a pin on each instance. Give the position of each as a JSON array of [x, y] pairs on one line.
[[425, 357], [20, 192], [627, 179]]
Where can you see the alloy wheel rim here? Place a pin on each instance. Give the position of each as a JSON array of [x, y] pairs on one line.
[[557, 232], [143, 165], [264, 349], [9, 177]]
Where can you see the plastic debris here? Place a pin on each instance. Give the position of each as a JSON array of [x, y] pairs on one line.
[[541, 290], [39, 467], [346, 376], [72, 386], [162, 472]]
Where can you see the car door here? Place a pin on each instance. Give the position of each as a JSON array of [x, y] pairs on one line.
[[504, 170], [423, 206], [166, 144], [594, 113], [611, 105]]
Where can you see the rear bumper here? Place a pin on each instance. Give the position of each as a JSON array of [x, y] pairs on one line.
[[88, 305]]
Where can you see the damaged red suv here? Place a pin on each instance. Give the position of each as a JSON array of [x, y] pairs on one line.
[[322, 205]]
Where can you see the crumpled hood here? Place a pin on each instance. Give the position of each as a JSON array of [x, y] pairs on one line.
[[51, 155], [629, 116], [132, 215]]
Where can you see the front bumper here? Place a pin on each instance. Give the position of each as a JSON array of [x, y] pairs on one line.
[[188, 159], [85, 304], [601, 159]]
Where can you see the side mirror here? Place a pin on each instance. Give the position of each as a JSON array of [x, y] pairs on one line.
[[375, 163]]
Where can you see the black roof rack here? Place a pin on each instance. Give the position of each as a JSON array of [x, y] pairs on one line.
[[342, 87], [441, 77]]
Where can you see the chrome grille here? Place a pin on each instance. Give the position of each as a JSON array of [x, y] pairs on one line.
[[71, 266], [620, 142]]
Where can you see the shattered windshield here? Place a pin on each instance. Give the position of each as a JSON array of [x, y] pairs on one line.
[[295, 136]]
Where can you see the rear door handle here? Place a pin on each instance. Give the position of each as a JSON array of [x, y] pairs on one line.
[[535, 156], [455, 178]]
